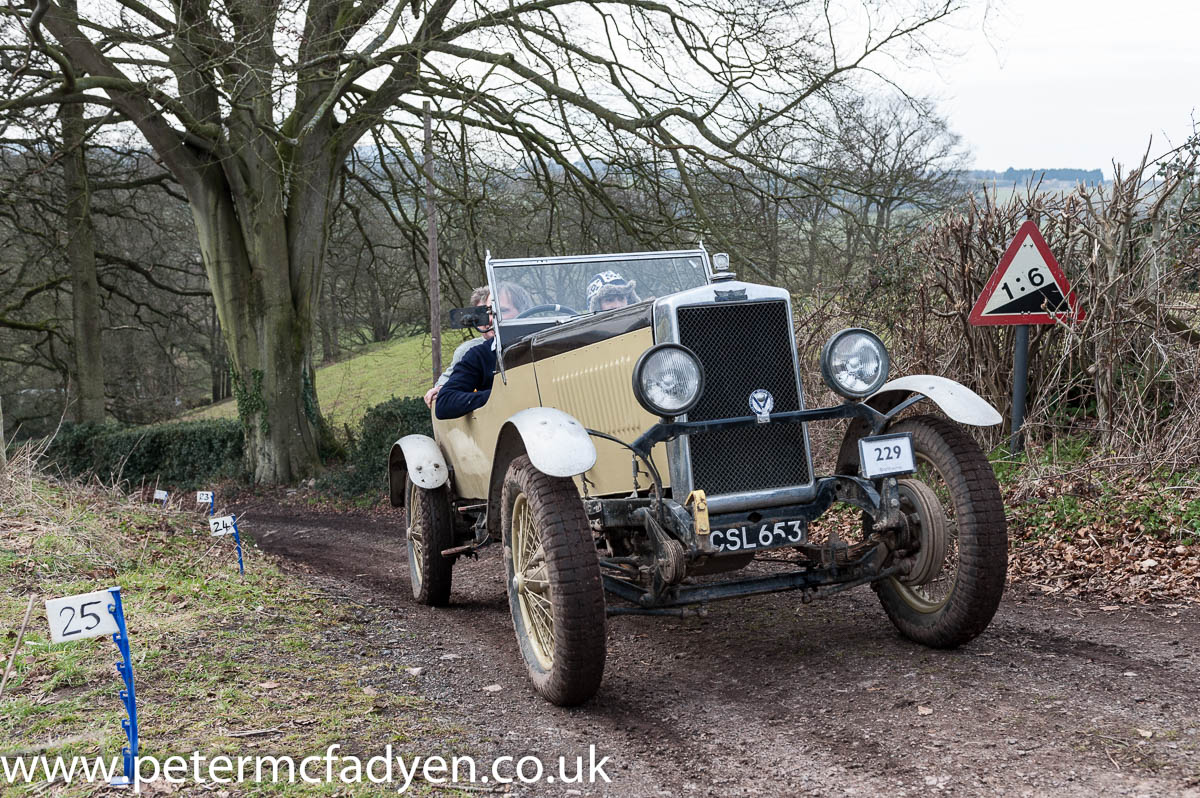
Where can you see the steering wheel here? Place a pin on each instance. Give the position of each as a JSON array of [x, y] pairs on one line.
[[543, 308]]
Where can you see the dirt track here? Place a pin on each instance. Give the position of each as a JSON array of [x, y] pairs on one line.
[[769, 696]]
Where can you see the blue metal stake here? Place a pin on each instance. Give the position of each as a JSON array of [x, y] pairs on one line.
[[210, 505], [238, 540], [128, 698]]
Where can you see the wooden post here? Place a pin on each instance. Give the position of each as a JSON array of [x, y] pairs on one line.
[[435, 293], [3, 450], [20, 636]]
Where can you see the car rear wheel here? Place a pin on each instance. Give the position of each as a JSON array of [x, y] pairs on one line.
[[430, 532], [554, 587], [953, 503]]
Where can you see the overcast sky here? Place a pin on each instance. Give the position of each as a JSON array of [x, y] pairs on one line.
[[1066, 83]]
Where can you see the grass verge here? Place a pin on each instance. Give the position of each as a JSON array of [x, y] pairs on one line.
[[215, 656]]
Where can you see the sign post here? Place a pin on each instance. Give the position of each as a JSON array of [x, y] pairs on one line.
[[227, 525], [1028, 287], [1020, 385], [95, 615]]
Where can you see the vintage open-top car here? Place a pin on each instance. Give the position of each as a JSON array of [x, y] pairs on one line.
[[651, 451]]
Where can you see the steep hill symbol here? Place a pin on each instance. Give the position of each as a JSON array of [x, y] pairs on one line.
[[1046, 299]]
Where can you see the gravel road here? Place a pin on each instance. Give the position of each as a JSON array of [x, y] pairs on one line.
[[771, 696]]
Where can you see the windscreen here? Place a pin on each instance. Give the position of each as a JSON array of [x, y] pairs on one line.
[[564, 288]]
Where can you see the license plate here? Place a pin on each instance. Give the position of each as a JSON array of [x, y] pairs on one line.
[[752, 537], [886, 455]]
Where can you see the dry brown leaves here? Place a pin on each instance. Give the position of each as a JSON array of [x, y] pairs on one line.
[[1137, 570], [1110, 534]]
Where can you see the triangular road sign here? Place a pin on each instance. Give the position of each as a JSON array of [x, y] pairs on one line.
[[1028, 287]]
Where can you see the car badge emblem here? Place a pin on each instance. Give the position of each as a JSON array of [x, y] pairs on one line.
[[761, 404]]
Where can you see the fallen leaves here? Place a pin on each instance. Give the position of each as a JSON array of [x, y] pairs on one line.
[[1116, 534], [1117, 565]]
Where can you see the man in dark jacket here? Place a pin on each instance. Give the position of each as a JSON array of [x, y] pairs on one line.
[[470, 382]]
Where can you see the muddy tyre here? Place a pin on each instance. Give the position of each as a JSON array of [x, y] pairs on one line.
[[554, 587], [430, 531], [954, 599]]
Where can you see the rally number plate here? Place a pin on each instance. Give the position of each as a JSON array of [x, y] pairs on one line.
[[886, 455], [752, 537]]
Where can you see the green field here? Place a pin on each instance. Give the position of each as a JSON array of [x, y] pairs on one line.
[[347, 388]]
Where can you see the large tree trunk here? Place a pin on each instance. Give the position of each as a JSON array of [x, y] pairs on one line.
[[266, 338], [218, 363], [81, 254], [263, 248]]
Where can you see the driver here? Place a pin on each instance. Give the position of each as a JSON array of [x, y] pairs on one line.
[[608, 290], [470, 381], [478, 297]]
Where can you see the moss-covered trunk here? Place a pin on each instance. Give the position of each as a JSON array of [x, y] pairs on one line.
[[262, 277]]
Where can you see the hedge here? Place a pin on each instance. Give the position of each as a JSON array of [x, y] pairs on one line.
[[190, 454], [182, 454], [383, 424]]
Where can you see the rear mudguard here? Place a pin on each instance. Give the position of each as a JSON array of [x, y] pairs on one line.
[[420, 458]]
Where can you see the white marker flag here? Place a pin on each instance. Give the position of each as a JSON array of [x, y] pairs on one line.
[[82, 616], [160, 495], [221, 526], [204, 497]]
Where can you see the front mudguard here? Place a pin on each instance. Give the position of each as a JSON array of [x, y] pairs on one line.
[[556, 443], [957, 401]]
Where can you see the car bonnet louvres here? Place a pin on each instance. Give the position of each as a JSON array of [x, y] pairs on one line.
[[744, 346]]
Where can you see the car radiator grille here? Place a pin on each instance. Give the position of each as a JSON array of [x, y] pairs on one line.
[[744, 346]]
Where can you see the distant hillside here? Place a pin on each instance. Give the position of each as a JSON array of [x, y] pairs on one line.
[[1023, 176]]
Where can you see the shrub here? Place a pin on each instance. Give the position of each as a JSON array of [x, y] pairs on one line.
[[184, 454], [382, 425]]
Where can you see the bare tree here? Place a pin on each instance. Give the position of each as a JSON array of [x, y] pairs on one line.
[[254, 106], [898, 165]]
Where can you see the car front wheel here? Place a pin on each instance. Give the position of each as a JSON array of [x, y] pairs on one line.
[[554, 587], [953, 503]]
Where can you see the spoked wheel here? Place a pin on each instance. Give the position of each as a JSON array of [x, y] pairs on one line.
[[554, 587], [430, 532], [953, 505]]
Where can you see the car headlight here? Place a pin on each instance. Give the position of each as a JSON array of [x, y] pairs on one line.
[[855, 363], [668, 379]]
